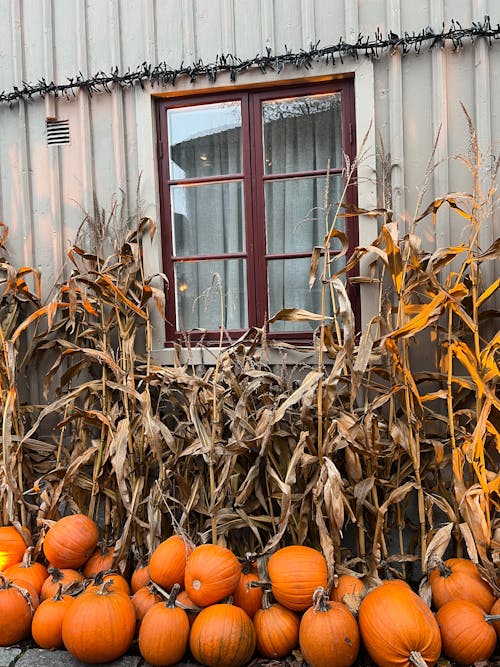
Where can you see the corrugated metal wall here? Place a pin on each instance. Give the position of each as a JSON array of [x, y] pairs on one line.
[[44, 189]]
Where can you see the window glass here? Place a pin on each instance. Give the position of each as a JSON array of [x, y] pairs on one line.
[[204, 140]]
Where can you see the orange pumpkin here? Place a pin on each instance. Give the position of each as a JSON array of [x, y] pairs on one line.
[[295, 573], [56, 577], [397, 628], [12, 547], [100, 560], [99, 626], [212, 574], [459, 579], [348, 585], [164, 632], [168, 562], [222, 635], [16, 612], [118, 582], [140, 577], [466, 632], [246, 596], [495, 611], [184, 602], [276, 629], [70, 541], [46, 628], [33, 573], [328, 633], [143, 600]]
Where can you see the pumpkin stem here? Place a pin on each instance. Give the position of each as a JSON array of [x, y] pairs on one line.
[[266, 599], [173, 594], [26, 562], [415, 657], [55, 574], [444, 570], [492, 618], [4, 582], [58, 594], [104, 590], [320, 600]]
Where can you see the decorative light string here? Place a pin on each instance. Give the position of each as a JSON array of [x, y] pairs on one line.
[[164, 75]]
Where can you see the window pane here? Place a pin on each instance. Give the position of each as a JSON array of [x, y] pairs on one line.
[[295, 213], [198, 286], [205, 140], [208, 219], [302, 133], [288, 288]]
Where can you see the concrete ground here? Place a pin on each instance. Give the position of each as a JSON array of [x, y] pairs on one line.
[[36, 657]]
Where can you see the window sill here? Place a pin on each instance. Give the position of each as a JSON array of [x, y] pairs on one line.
[[207, 356]]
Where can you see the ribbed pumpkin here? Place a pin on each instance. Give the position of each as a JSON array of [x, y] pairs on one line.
[[222, 635], [140, 577], [46, 628], [295, 573], [56, 577], [348, 585], [168, 562], [328, 633], [459, 579], [495, 611], [397, 628], [143, 600], [118, 582], [212, 574], [16, 612], [99, 626], [164, 632], [100, 560], [276, 629], [70, 541], [33, 573], [12, 547], [466, 631], [245, 596]]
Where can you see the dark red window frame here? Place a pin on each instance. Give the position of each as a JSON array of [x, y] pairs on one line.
[[253, 179]]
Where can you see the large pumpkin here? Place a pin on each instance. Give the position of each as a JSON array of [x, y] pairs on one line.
[[16, 611], [46, 628], [276, 629], [70, 541], [295, 573], [466, 632], [164, 632], [222, 635], [212, 574], [99, 626], [459, 579], [397, 628], [168, 562], [328, 633], [495, 611], [12, 547]]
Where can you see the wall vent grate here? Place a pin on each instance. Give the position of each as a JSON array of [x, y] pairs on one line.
[[58, 132]]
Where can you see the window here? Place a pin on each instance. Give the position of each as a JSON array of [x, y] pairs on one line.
[[243, 176]]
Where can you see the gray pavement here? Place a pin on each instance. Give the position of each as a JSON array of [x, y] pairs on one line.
[[36, 657]]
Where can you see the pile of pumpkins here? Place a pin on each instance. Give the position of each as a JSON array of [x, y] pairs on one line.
[[202, 599]]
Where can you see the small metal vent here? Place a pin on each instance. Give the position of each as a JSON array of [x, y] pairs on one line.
[[57, 132]]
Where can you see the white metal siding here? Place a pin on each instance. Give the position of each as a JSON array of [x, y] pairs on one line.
[[44, 189]]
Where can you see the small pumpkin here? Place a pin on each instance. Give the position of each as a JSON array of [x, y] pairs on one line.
[[164, 632], [70, 541], [212, 574], [56, 577], [99, 626], [276, 629], [16, 612], [295, 573], [459, 579], [246, 596], [32, 572], [12, 547], [143, 600], [46, 627], [118, 582], [328, 633], [397, 628], [222, 635], [168, 562], [466, 631], [350, 586], [140, 577], [100, 560], [184, 602]]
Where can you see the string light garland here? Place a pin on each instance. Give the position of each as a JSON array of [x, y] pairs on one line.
[[164, 75]]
